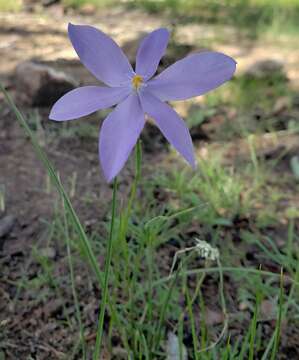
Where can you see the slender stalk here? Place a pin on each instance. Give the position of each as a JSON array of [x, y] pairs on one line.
[[290, 239], [192, 323], [128, 277], [158, 331], [128, 210], [224, 310], [97, 352], [137, 177], [295, 284], [279, 319], [73, 284], [253, 326]]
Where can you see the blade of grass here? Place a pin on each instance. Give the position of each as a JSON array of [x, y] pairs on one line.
[[278, 323], [244, 346], [193, 326], [254, 325], [290, 239], [224, 310], [97, 351], [74, 292], [282, 314], [158, 332], [227, 350]]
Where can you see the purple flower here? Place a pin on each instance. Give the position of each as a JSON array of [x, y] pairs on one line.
[[136, 93]]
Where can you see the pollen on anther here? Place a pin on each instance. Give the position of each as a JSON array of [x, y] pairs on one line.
[[137, 81]]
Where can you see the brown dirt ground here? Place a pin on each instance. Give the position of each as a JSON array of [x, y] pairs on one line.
[[31, 325]]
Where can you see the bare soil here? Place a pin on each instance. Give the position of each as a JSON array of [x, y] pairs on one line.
[[32, 323]]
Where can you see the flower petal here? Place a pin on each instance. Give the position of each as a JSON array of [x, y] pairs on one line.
[[170, 124], [192, 76], [86, 100], [150, 51], [100, 54], [119, 134]]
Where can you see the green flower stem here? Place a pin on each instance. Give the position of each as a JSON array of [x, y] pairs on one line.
[[127, 213], [99, 338], [123, 231], [136, 180]]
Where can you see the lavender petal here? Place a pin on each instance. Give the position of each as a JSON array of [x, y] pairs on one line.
[[86, 100], [170, 124], [119, 134], [192, 76], [100, 55], [150, 52]]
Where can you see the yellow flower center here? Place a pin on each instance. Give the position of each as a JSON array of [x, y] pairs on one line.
[[137, 81]]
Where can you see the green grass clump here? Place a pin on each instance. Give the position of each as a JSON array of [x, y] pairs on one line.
[[253, 102], [246, 92], [79, 3], [215, 190], [10, 5], [254, 15]]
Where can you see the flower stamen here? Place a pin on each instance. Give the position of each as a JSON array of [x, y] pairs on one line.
[[137, 81]]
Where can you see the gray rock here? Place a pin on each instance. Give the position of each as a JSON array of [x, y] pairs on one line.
[[48, 252], [41, 85], [266, 69], [6, 225], [49, 2], [37, 5]]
